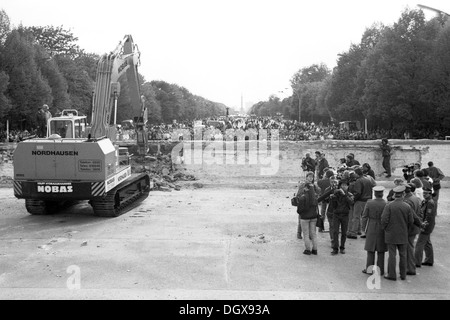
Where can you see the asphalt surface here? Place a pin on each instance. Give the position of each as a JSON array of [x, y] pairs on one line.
[[209, 243]]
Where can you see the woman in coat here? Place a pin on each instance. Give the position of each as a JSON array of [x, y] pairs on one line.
[[308, 210], [371, 222]]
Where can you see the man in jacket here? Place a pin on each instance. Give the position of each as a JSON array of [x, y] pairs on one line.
[[321, 164], [371, 223], [340, 204], [308, 163], [362, 191], [325, 196], [396, 218], [386, 154], [350, 160], [428, 210], [437, 175], [323, 184], [308, 214], [414, 229]]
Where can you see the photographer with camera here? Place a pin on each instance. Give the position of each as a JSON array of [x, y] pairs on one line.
[[341, 201], [325, 198], [428, 210], [408, 171]]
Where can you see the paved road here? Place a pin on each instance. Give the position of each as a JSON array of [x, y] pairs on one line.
[[210, 243]]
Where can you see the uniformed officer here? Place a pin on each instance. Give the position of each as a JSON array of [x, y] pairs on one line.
[[371, 223], [428, 210], [396, 218]]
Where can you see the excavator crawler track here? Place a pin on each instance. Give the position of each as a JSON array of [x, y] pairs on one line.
[[119, 199]]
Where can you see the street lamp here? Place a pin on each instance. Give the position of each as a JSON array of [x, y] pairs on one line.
[[297, 93], [421, 6]]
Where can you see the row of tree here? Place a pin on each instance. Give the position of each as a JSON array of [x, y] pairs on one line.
[[44, 65], [397, 76]]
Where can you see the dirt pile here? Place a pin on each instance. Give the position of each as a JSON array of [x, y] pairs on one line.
[[165, 174]]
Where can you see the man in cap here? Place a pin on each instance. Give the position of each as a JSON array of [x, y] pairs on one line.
[[396, 218], [397, 182], [411, 199], [371, 222], [428, 210]]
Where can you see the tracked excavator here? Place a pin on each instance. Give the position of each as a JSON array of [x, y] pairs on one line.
[[78, 161]]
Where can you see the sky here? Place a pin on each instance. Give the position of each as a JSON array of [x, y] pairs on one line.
[[223, 50]]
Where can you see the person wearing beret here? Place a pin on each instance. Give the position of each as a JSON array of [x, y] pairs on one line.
[[371, 222], [396, 219], [415, 203], [428, 210]]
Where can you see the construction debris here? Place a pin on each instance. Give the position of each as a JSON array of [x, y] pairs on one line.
[[163, 172]]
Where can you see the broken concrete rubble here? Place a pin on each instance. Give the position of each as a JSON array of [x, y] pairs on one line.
[[163, 172]]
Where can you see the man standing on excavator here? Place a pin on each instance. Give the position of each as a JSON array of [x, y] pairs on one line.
[[43, 115]]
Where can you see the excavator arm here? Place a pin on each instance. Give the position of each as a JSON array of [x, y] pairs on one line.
[[124, 59]]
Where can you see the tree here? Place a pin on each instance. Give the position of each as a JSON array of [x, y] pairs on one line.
[[300, 85], [27, 89], [56, 40], [342, 98], [313, 73], [5, 26], [439, 88], [58, 84], [79, 84], [5, 104], [392, 76]]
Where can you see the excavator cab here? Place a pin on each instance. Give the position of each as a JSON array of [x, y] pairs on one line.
[[67, 127]]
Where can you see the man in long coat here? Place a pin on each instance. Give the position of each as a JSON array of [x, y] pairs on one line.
[[396, 218], [371, 222], [414, 229]]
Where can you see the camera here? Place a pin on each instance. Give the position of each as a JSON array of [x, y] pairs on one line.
[[409, 169]]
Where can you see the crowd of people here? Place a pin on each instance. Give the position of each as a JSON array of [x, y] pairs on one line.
[[216, 129], [349, 198], [220, 128]]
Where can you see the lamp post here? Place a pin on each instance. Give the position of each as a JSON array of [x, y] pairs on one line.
[[297, 93], [421, 6]]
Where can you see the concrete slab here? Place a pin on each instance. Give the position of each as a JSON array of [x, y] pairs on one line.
[[194, 244]]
